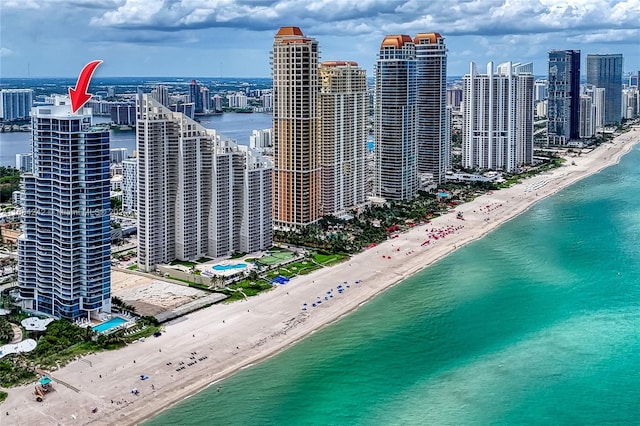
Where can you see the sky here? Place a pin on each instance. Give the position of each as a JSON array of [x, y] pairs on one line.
[[233, 38]]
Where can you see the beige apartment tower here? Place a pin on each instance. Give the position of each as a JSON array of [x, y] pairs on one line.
[[344, 110], [296, 151]]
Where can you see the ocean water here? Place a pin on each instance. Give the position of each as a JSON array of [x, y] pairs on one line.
[[537, 323]]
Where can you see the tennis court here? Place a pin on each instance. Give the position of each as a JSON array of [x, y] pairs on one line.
[[276, 256]]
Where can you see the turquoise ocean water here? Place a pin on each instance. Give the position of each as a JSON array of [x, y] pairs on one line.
[[537, 323]]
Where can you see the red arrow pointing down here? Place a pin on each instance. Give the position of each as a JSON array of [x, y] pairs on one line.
[[79, 95]]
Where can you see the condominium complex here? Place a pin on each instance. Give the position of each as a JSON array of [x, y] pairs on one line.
[[597, 103], [161, 94], [630, 102], [261, 139], [605, 71], [15, 104], [344, 111], [199, 194], [432, 137], [497, 130], [411, 134], [296, 150], [64, 249], [587, 117], [395, 119], [24, 162], [130, 185], [563, 97]]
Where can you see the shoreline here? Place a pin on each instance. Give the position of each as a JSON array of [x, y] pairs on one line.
[[241, 334]]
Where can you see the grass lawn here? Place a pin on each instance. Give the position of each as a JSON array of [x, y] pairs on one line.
[[183, 263], [327, 259]]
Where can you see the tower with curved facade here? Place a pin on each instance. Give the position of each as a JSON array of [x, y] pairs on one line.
[[65, 246], [395, 119]]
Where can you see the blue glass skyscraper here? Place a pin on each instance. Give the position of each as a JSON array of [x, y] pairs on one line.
[[605, 71], [196, 96], [64, 249], [563, 98]]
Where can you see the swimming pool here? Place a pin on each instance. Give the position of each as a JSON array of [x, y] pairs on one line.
[[113, 322], [227, 267]]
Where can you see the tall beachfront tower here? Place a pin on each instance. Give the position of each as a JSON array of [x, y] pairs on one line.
[[344, 112], [64, 250], [433, 139], [605, 71], [199, 194], [563, 97], [296, 151], [497, 129], [395, 119]]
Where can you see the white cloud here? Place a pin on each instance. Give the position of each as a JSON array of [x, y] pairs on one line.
[[608, 36], [5, 51], [20, 4]]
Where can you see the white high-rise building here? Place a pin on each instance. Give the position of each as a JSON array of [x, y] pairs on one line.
[[630, 103], [498, 117], [15, 104], [260, 139], [597, 102], [130, 185], [24, 162], [587, 117], [118, 155], [237, 100], [344, 112], [216, 103], [161, 94], [267, 101], [199, 194], [539, 90]]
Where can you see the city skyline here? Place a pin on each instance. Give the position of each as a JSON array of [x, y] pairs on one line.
[[135, 37]]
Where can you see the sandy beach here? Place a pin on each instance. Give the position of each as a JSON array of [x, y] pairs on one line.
[[206, 346]]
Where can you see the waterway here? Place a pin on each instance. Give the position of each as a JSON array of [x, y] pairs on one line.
[[236, 126]]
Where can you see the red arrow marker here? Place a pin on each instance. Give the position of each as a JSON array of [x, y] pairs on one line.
[[79, 95]]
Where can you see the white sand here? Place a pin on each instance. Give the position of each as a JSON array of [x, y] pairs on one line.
[[238, 334]]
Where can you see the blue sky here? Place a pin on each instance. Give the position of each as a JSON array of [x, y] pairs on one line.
[[232, 38]]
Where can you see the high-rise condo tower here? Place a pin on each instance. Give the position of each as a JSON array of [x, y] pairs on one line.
[[563, 97], [605, 71], [433, 139], [344, 112], [395, 119], [296, 151], [64, 251]]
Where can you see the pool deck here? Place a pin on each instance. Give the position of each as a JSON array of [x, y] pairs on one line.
[[231, 271]]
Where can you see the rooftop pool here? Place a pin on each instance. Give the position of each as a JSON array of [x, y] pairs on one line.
[[227, 267], [107, 325]]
